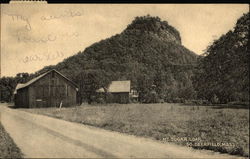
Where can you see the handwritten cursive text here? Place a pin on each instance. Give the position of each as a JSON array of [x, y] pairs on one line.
[[18, 17], [66, 14], [45, 57]]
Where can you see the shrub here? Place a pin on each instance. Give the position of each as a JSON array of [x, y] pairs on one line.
[[237, 151], [109, 98], [215, 99], [160, 101], [100, 100], [178, 100], [151, 97]]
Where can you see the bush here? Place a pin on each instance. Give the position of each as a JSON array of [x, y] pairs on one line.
[[151, 97], [178, 100], [215, 99], [169, 100], [237, 151], [100, 100], [109, 98], [160, 101], [132, 100]]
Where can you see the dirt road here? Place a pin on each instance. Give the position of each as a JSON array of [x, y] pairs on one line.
[[44, 137]]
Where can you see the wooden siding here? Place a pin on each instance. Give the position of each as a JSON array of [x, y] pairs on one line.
[[121, 97], [49, 91], [21, 98]]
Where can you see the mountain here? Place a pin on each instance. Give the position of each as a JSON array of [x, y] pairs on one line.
[[223, 74], [148, 52]]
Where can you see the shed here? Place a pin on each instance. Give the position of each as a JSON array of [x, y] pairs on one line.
[[120, 91], [50, 89]]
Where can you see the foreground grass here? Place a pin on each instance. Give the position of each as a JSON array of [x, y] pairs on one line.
[[202, 127], [8, 148]]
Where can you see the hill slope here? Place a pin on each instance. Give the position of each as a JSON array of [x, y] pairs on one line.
[[148, 51], [223, 74]]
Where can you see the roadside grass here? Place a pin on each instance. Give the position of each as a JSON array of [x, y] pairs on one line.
[[201, 127], [8, 148]]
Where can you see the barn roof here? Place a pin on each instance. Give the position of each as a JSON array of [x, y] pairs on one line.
[[19, 85], [117, 87]]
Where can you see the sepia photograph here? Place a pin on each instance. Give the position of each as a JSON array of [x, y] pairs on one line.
[[124, 80]]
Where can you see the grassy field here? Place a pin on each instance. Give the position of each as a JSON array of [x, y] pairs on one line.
[[8, 148], [202, 127]]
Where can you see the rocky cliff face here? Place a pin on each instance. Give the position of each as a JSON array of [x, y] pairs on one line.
[[155, 28]]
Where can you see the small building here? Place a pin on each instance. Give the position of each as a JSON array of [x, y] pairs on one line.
[[50, 89], [134, 95], [120, 91]]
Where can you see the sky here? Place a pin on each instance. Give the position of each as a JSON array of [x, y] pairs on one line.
[[34, 36]]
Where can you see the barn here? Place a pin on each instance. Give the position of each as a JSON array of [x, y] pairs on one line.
[[120, 91], [50, 89]]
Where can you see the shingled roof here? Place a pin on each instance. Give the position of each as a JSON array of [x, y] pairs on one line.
[[117, 87], [20, 85]]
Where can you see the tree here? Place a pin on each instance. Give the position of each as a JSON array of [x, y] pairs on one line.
[[89, 81], [223, 70], [22, 77], [7, 86]]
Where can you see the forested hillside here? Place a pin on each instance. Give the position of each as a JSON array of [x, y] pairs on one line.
[[148, 52], [223, 74]]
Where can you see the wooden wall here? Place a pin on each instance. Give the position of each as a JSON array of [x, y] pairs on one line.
[[21, 98], [50, 91], [121, 97]]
